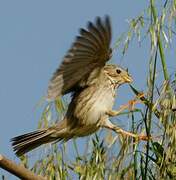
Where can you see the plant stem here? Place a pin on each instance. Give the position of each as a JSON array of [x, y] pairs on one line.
[[134, 147], [161, 50], [148, 124]]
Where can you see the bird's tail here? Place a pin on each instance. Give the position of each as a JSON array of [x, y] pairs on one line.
[[27, 142]]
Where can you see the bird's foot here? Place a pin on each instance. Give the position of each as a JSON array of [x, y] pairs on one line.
[[138, 137], [106, 123]]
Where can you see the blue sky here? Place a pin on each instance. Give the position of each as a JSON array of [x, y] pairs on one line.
[[34, 36]]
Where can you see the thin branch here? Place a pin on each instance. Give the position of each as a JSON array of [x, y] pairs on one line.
[[18, 170]]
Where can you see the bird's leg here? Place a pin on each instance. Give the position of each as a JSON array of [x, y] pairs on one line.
[[113, 113], [130, 105], [106, 123]]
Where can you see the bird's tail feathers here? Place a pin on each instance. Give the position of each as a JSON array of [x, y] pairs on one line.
[[29, 141]]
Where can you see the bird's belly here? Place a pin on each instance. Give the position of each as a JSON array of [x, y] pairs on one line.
[[88, 106], [89, 115], [103, 103]]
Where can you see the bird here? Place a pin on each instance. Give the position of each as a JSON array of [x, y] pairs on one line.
[[85, 73]]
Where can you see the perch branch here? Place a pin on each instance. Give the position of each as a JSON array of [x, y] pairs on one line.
[[18, 170]]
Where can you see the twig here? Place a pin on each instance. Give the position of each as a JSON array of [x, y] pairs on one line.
[[146, 101], [18, 170]]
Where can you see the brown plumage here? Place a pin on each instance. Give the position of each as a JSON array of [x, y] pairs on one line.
[[84, 73]]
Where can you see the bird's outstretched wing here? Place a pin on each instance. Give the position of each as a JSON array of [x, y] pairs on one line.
[[90, 50]]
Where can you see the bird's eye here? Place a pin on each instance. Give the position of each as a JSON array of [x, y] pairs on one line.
[[118, 71]]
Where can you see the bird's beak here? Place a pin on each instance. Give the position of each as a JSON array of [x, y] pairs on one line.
[[128, 79]]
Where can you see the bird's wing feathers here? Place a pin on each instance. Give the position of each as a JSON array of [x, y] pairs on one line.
[[90, 50]]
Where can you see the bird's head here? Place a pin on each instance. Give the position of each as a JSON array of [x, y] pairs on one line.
[[117, 75]]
